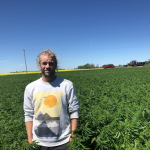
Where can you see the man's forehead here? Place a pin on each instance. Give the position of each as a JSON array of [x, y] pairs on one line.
[[45, 57]]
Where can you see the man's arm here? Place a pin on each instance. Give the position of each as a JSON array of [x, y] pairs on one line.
[[74, 124], [28, 107], [29, 126], [73, 108]]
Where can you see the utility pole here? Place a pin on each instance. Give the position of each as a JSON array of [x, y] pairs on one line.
[[25, 60]]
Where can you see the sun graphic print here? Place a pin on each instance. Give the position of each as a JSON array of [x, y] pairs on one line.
[[51, 101], [47, 103]]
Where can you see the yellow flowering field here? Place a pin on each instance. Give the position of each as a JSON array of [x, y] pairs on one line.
[[17, 73]]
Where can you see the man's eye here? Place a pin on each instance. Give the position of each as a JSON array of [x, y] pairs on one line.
[[50, 64], [44, 63]]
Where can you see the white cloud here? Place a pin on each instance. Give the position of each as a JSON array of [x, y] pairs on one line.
[[4, 61]]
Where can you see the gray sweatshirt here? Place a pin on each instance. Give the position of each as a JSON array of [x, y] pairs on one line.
[[51, 106]]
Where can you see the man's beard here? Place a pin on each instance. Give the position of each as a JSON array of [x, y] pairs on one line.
[[50, 74]]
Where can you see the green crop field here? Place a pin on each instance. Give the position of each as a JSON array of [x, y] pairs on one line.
[[114, 109]]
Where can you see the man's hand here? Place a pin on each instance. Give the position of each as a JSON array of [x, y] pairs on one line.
[[70, 139], [30, 140]]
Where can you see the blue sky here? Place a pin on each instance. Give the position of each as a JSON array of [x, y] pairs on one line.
[[78, 31]]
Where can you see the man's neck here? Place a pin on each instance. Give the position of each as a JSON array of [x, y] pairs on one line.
[[48, 79]]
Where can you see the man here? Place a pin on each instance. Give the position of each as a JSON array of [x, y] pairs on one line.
[[51, 107]]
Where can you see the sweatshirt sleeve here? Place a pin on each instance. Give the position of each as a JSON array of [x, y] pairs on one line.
[[73, 103], [28, 105]]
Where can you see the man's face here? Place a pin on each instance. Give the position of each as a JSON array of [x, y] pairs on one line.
[[47, 66]]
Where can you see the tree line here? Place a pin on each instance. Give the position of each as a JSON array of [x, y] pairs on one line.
[[90, 66]]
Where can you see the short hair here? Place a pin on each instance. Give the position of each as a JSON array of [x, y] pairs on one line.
[[48, 53]]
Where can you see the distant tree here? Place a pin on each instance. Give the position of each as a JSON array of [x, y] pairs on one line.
[[147, 62], [79, 67], [86, 66], [92, 66], [97, 66]]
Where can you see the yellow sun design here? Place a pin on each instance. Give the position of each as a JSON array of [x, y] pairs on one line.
[[50, 101]]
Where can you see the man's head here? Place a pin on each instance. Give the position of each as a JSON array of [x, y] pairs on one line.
[[48, 53], [47, 63]]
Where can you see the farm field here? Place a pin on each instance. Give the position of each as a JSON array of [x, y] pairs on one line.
[[114, 109]]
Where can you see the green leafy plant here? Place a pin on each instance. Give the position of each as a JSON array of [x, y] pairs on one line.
[[114, 109]]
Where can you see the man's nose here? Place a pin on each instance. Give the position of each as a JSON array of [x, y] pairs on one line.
[[47, 65]]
